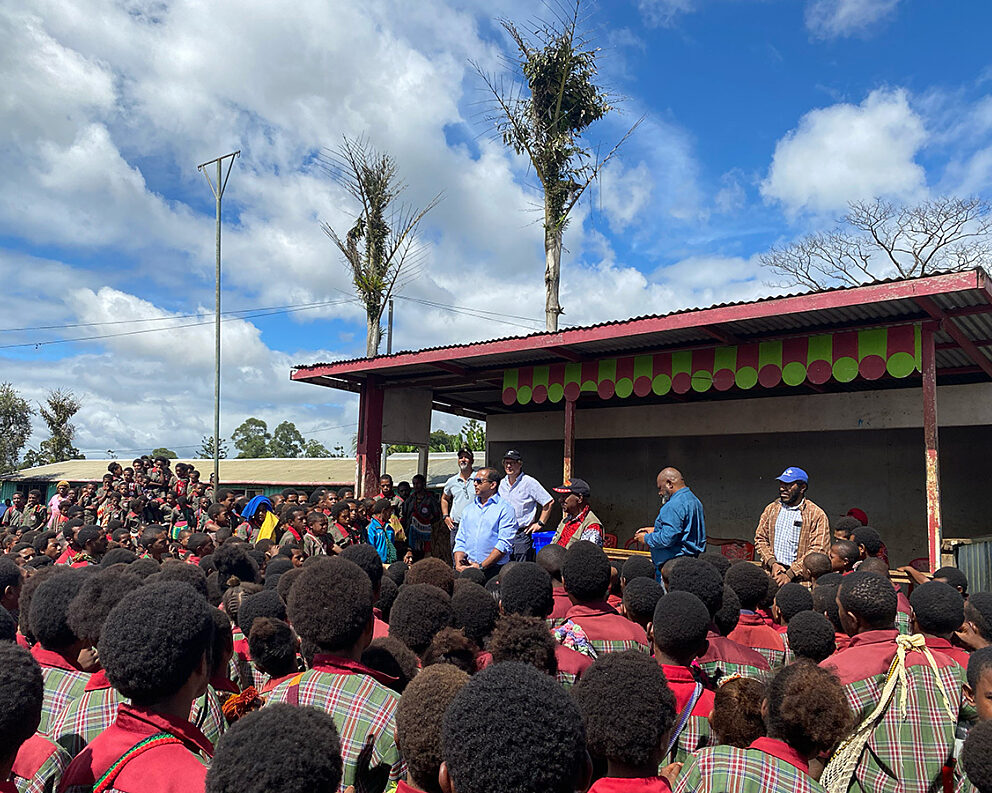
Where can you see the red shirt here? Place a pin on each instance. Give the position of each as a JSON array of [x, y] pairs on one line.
[[569, 661], [727, 650], [842, 641], [169, 768], [601, 622], [562, 603], [782, 751], [939, 645], [752, 631], [683, 684], [380, 629], [33, 754], [613, 784]]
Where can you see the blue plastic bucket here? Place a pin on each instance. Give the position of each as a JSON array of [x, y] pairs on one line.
[[542, 538]]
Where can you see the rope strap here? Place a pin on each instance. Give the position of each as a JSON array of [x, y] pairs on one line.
[[107, 780], [839, 771]]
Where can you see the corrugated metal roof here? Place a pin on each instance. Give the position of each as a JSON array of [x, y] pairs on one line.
[[751, 328], [271, 471]]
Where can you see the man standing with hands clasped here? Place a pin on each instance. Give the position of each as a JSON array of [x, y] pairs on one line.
[[527, 498], [790, 528], [488, 526]]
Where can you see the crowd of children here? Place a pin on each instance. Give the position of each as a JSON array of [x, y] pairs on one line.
[[295, 643]]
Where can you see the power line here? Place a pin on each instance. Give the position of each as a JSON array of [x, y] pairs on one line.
[[174, 327]]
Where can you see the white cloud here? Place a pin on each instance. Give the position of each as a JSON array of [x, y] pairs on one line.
[[848, 152], [827, 19], [624, 192], [665, 12]]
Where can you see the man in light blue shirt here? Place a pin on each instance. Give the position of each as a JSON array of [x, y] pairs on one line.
[[679, 529], [530, 501], [487, 528]]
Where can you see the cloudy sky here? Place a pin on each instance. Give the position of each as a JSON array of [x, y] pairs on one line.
[[762, 118]]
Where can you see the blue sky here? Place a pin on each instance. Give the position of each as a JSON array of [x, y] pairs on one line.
[[762, 119]]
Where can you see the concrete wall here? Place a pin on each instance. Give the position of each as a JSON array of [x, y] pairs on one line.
[[863, 450]]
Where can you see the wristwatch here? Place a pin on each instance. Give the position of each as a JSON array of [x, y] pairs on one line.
[[540, 523]]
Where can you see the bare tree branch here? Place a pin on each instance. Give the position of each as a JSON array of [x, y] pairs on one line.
[[877, 239]]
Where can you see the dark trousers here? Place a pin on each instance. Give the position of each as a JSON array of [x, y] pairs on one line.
[[523, 548]]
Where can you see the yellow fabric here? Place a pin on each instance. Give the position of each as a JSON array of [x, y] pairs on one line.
[[837, 775], [268, 530]]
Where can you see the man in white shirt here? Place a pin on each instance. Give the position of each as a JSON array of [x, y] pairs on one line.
[[530, 501], [458, 492]]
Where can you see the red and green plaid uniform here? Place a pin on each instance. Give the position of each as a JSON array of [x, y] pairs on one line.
[[63, 683], [725, 657], [39, 765], [901, 754], [727, 769], [86, 716], [207, 714], [752, 631], [607, 630], [359, 705]]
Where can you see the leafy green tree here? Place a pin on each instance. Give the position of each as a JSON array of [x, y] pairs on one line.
[[57, 412], [206, 451], [338, 451], [161, 451], [287, 441], [473, 436], [441, 441], [251, 438], [542, 113], [15, 426], [314, 448]]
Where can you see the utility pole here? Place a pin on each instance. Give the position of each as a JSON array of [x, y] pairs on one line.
[[389, 331], [218, 191]]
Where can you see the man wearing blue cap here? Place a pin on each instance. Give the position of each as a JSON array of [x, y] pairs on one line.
[[790, 528]]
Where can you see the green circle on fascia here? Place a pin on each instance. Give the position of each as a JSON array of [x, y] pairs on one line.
[[590, 385], [746, 377], [524, 393], [701, 381], [661, 384], [901, 364], [845, 369], [624, 387], [555, 392], [793, 373]]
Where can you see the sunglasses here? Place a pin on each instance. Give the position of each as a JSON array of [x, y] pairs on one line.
[[480, 479]]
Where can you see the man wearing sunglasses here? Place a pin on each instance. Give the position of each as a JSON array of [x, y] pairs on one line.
[[487, 527]]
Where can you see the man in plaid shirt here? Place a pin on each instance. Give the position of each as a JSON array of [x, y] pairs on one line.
[[802, 701], [678, 634], [57, 649], [330, 604], [913, 739], [586, 574]]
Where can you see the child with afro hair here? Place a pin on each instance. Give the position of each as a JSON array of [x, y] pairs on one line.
[[525, 639], [364, 556], [811, 636], [631, 734], [512, 728], [678, 633], [419, 721], [938, 611], [418, 613], [302, 753], [978, 689], [330, 606], [976, 759], [805, 715], [207, 713], [28, 760], [586, 577], [723, 657], [736, 719], [751, 584], [90, 713], [155, 649], [274, 650], [58, 648], [473, 610]]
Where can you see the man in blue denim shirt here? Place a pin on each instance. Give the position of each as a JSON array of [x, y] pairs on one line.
[[487, 528], [679, 529]]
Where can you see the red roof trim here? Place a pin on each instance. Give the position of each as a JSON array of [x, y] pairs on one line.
[[815, 301]]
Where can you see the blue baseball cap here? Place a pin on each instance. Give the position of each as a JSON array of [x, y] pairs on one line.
[[790, 475]]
